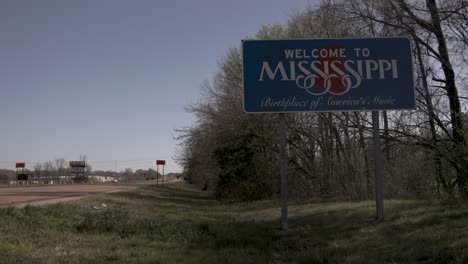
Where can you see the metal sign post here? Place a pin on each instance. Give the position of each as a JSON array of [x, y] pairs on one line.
[[284, 172], [378, 166], [160, 162], [157, 174]]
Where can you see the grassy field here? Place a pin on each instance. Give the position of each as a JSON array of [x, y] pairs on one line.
[[178, 224]]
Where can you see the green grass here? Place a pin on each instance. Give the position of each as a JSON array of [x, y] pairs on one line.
[[178, 224]]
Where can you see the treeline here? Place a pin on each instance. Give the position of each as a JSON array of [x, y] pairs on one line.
[[330, 154], [56, 170], [130, 175], [47, 171], [6, 175]]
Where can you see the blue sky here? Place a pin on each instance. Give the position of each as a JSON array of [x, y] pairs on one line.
[[110, 78]]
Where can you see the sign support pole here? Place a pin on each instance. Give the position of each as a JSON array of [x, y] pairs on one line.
[[157, 173], [378, 166], [284, 172], [163, 177]]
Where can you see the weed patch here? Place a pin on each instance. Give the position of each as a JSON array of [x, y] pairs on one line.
[[177, 224]]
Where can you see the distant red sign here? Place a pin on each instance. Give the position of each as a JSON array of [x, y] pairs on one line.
[[160, 162], [20, 164]]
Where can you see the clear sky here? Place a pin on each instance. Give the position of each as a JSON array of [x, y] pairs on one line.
[[110, 78]]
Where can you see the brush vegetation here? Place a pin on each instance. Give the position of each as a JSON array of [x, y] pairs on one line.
[[179, 224]]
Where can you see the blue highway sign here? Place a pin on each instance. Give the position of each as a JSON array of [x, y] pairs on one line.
[[327, 75]]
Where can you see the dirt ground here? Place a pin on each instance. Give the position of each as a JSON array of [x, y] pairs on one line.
[[40, 195]]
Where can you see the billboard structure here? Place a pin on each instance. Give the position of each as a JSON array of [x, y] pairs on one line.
[[79, 169], [311, 75], [21, 175]]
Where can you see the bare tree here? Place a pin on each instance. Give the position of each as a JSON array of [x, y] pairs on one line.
[[49, 170], [38, 172], [60, 168], [330, 152]]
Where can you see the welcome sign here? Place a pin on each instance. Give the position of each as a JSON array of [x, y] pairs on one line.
[[327, 75]]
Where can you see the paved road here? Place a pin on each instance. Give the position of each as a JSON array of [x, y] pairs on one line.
[[39, 195]]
